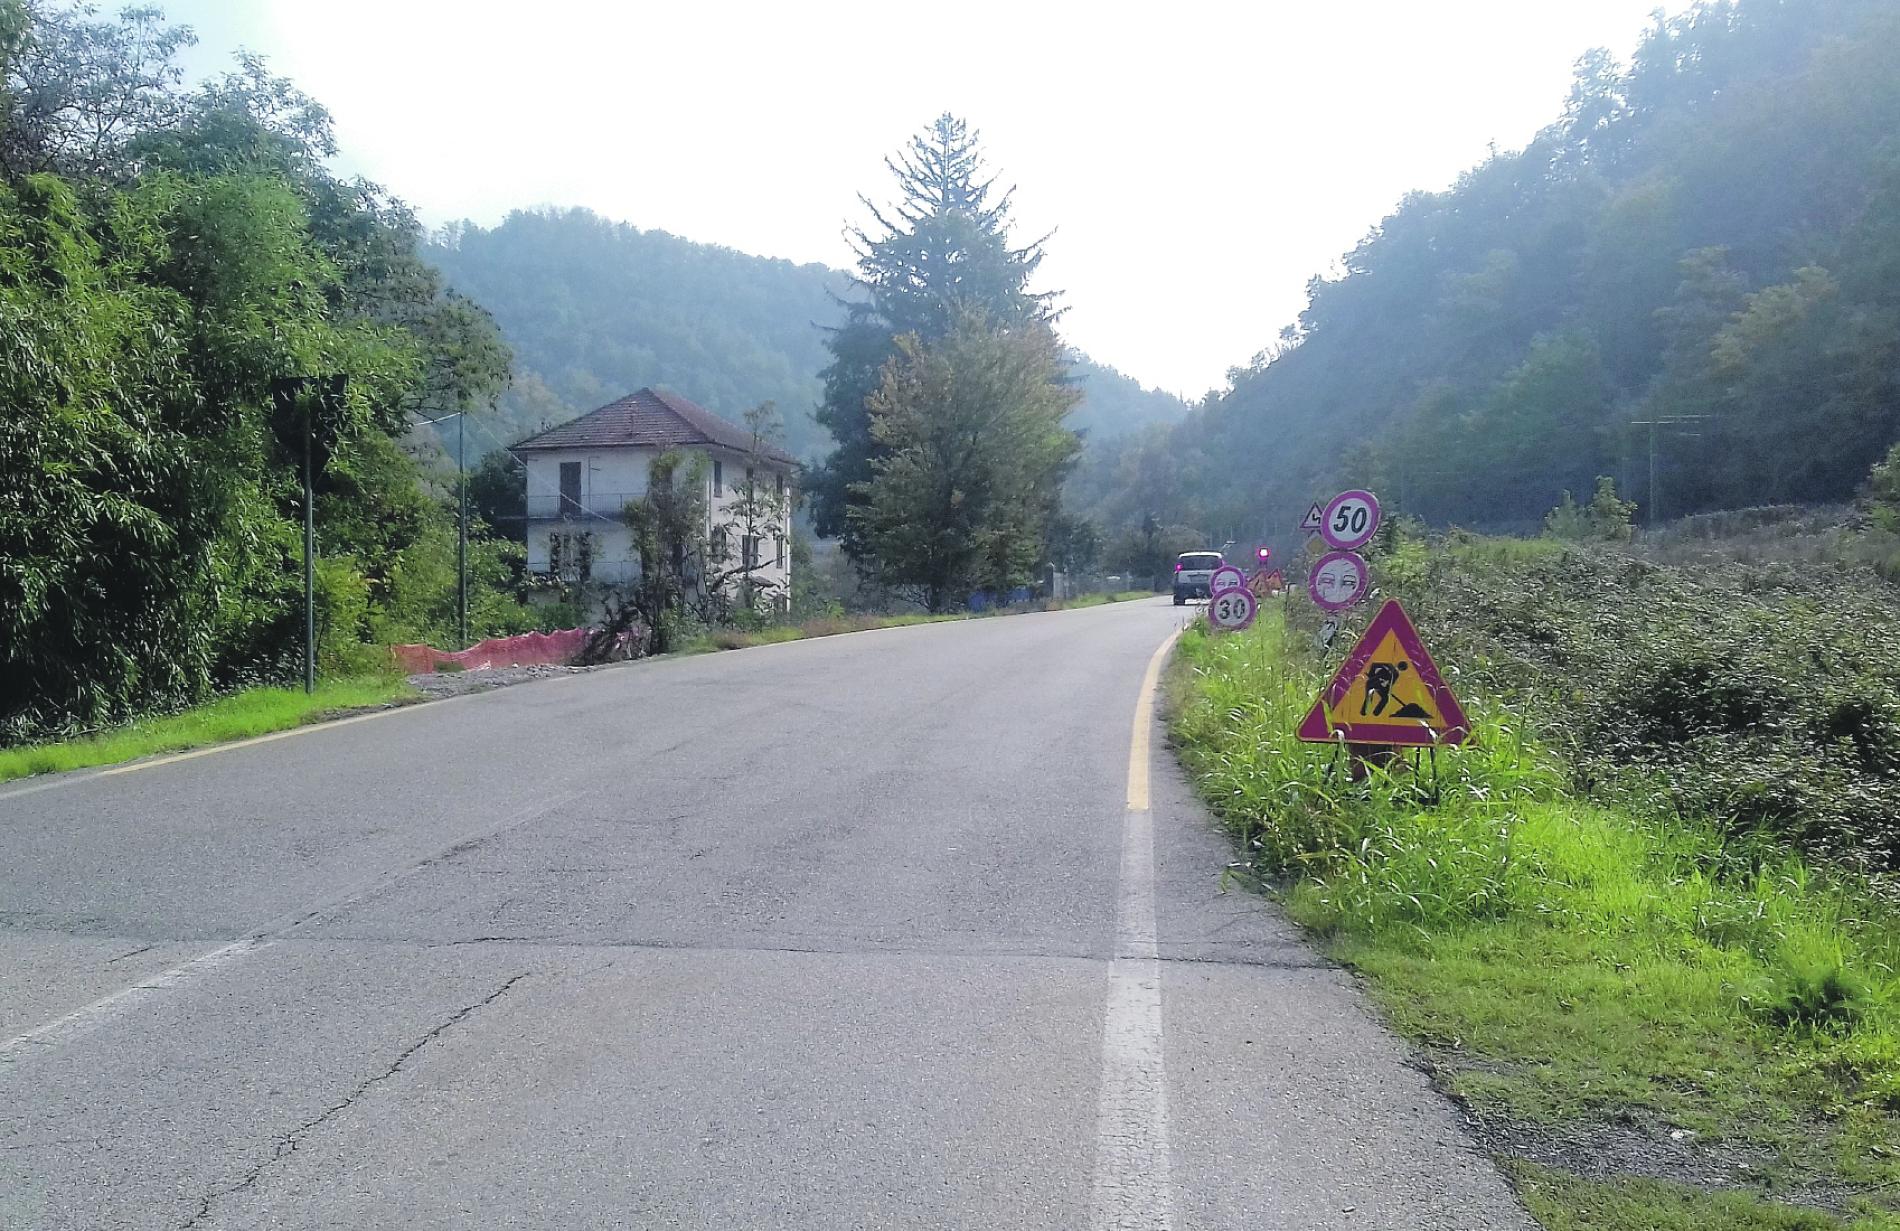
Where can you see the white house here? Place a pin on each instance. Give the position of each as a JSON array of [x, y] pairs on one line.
[[583, 473]]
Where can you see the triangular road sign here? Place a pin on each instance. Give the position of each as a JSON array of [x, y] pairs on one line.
[[1388, 691], [1315, 518]]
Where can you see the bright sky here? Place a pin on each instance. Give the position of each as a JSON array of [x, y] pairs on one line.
[[1198, 162]]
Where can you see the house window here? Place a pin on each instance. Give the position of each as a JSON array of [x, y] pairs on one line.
[[749, 547], [778, 486], [779, 544], [719, 478], [751, 484], [570, 488], [719, 543], [571, 555]]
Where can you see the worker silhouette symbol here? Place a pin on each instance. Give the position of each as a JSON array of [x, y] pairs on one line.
[[1380, 679]]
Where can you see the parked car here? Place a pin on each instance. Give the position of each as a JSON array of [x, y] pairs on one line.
[[1194, 574]]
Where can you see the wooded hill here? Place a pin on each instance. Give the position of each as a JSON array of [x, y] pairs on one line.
[[594, 308], [1706, 240]]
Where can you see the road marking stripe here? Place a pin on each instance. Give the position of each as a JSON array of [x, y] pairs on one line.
[[1138, 743], [107, 1007], [1132, 1189]]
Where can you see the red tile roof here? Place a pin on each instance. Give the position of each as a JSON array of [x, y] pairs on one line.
[[654, 419]]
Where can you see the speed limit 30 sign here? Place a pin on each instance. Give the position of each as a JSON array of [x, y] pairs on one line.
[[1350, 520], [1232, 610]]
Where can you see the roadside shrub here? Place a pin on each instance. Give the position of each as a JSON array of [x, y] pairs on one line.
[[1606, 519], [1754, 695], [1825, 997]]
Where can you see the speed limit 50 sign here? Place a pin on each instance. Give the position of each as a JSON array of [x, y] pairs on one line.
[[1350, 520]]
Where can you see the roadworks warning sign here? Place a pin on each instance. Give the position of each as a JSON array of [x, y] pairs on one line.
[[1388, 691]]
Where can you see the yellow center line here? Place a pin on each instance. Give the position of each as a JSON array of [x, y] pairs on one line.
[[1138, 744]]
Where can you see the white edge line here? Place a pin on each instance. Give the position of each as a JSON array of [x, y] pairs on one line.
[[1132, 1188], [107, 1007]]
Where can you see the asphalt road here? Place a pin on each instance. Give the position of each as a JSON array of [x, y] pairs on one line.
[[884, 930]]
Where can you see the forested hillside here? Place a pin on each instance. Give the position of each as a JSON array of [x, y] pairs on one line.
[[595, 308], [1706, 245]]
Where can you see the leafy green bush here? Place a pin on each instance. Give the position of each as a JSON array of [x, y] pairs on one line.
[[1753, 695], [1565, 957], [1606, 519]]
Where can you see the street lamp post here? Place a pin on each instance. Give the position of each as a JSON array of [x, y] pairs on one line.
[[461, 497]]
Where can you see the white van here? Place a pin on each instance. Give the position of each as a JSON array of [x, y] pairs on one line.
[[1194, 574]]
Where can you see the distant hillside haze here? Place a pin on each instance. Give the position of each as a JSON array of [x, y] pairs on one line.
[[1704, 245], [595, 309]]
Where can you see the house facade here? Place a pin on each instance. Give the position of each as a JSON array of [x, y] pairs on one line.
[[582, 474]]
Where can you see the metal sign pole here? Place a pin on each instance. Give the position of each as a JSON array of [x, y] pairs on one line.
[[461, 548], [309, 554]]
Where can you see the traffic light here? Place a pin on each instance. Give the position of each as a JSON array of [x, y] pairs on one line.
[[1266, 553]]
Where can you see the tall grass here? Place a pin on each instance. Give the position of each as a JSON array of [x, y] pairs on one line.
[[255, 711], [1568, 958]]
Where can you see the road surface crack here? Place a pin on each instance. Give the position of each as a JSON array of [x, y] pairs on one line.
[[287, 1144]]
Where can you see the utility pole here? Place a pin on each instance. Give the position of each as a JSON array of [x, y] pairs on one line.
[[461, 544], [309, 555], [1654, 499], [295, 401], [461, 547]]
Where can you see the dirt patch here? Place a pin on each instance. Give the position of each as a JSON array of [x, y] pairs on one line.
[[1636, 1145], [438, 684]]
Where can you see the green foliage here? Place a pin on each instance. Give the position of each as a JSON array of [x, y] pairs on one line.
[[1753, 695], [255, 711], [1074, 543], [1883, 491], [1146, 552], [1705, 241], [594, 308], [165, 255], [941, 256], [1564, 1202], [1565, 958], [970, 443], [1827, 997], [1605, 519]]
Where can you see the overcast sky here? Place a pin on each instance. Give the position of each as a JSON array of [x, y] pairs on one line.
[[1198, 162]]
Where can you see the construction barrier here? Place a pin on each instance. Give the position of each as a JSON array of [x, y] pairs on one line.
[[521, 650]]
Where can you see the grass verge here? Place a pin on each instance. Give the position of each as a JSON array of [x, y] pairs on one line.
[[1587, 977], [255, 711]]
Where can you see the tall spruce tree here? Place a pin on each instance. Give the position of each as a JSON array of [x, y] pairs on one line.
[[940, 252], [972, 450]]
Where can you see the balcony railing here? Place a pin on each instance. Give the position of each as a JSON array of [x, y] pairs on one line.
[[591, 507]]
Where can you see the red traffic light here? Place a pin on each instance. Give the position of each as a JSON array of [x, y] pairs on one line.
[[1265, 552]]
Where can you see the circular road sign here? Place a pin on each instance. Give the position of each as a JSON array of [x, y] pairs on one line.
[[1231, 610], [1350, 520], [1226, 577], [1338, 580]]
